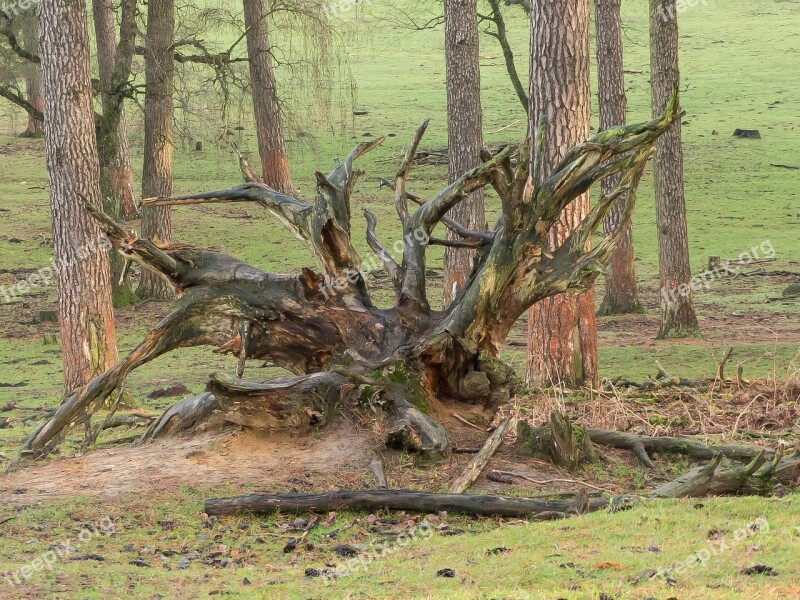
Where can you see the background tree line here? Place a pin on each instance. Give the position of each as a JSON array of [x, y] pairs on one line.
[[46, 70]]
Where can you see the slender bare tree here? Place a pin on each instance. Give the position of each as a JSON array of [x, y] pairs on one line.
[[269, 131], [621, 295], [86, 319], [562, 333], [158, 109], [464, 129], [33, 76], [116, 174], [675, 274]]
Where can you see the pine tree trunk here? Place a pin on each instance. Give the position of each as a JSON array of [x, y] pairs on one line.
[[621, 293], [271, 145], [157, 167], [464, 129], [116, 174], [562, 333], [33, 78], [677, 312], [86, 318]]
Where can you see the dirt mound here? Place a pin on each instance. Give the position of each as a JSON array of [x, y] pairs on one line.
[[202, 460]]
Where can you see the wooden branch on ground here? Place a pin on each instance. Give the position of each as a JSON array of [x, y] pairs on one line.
[[549, 481], [479, 461], [721, 477], [662, 381], [419, 502], [376, 464], [692, 484], [467, 423], [721, 365]]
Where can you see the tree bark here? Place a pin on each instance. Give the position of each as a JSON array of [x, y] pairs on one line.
[[86, 318], [116, 174], [562, 333], [621, 295], [33, 77], [264, 89], [675, 274], [464, 130], [158, 108]]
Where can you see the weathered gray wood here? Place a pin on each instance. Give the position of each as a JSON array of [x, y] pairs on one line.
[[560, 441], [420, 502], [376, 464], [692, 484], [313, 323], [475, 466], [674, 445]]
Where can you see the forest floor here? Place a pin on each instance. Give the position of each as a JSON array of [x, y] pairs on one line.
[[162, 546]]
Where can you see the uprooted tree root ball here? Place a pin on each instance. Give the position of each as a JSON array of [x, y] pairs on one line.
[[324, 327]]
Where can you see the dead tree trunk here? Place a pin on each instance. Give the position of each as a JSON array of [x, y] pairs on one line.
[[324, 328], [621, 295], [158, 108], [464, 131], [562, 334], [675, 273], [269, 131]]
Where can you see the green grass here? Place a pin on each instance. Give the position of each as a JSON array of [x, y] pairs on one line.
[[599, 553]]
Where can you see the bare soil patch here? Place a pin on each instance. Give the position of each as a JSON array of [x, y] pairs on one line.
[[203, 460]]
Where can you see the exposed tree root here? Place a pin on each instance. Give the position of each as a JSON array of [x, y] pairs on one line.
[[724, 474], [325, 329]]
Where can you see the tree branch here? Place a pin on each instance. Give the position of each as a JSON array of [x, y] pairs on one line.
[[400, 199], [372, 239], [16, 97], [8, 33], [413, 302]]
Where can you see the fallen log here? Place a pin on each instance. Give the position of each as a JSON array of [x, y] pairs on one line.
[[640, 445], [420, 502]]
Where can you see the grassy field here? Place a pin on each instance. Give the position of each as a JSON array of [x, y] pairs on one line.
[[739, 69], [162, 549]]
